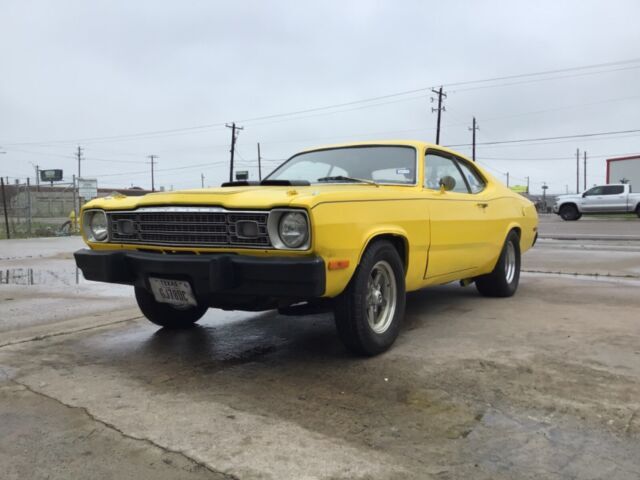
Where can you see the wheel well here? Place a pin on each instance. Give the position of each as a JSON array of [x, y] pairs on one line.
[[568, 204], [400, 244], [518, 231]]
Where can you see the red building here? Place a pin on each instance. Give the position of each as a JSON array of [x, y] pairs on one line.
[[624, 169]]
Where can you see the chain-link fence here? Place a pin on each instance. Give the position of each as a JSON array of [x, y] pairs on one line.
[[35, 210]]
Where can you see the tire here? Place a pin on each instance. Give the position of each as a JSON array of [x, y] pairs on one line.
[[368, 314], [65, 229], [638, 211], [569, 212], [166, 315], [503, 280]]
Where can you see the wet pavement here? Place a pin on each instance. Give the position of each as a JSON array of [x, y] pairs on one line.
[[542, 385]]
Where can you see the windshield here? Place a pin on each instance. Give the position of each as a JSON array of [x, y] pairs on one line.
[[379, 164]]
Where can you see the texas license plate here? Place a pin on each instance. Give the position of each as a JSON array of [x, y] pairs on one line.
[[174, 292]]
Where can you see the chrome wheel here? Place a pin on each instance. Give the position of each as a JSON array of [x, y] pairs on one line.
[[510, 262], [381, 297]]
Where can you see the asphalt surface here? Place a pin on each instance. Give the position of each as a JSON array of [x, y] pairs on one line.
[[542, 385], [590, 226]]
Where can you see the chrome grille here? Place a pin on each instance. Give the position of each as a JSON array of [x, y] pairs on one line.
[[183, 226]]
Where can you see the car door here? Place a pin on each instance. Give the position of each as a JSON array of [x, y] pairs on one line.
[[592, 199], [614, 198], [459, 240]]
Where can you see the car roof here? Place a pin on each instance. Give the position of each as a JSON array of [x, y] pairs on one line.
[[417, 144]]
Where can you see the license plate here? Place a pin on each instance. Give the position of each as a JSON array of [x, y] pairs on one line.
[[174, 292]]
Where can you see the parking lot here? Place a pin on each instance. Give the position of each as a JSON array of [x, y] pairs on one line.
[[545, 384]]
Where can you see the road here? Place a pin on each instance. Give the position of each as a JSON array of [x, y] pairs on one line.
[[590, 226], [542, 385]]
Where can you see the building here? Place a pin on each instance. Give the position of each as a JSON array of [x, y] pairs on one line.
[[624, 170]]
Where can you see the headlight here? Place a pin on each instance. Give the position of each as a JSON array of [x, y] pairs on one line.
[[293, 229], [289, 229], [95, 225]]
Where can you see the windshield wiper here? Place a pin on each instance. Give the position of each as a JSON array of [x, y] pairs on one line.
[[342, 178]]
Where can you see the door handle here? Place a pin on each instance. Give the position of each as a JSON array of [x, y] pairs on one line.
[[482, 205]]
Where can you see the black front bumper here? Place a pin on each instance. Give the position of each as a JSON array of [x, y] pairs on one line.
[[210, 275]]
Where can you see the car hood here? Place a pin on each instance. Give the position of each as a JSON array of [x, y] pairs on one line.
[[257, 197], [568, 197]]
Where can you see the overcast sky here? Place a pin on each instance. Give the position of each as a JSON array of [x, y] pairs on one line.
[[78, 71]]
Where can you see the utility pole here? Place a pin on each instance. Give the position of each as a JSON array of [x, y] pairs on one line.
[[440, 109], [473, 137], [37, 177], [527, 185], [153, 163], [259, 164], [202, 180], [578, 170], [4, 202], [29, 218], [79, 157], [584, 170], [234, 136], [77, 184], [76, 208]]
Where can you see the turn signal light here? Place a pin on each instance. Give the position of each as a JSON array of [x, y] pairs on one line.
[[338, 264]]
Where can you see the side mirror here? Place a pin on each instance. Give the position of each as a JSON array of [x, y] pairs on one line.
[[584, 194], [447, 183]]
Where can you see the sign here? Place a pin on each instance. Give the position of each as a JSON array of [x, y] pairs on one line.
[[87, 188], [242, 175], [519, 188], [51, 175]]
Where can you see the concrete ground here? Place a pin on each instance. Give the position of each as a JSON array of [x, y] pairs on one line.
[[542, 385]]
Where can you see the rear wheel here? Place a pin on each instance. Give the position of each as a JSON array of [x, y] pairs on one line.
[[503, 280], [369, 312], [167, 315], [569, 212]]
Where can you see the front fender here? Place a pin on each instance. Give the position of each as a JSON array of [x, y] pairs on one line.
[[344, 229]]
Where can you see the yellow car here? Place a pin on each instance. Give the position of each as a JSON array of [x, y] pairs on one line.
[[347, 227]]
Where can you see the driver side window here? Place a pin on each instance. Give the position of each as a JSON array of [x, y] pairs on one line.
[[593, 191], [438, 166]]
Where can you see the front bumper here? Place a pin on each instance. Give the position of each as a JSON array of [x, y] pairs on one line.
[[209, 274]]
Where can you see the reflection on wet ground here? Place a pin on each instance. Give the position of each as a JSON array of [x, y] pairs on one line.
[[474, 388], [33, 276]]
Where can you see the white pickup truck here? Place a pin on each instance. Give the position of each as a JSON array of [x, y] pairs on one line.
[[614, 198]]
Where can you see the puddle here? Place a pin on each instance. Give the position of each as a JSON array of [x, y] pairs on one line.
[[31, 276]]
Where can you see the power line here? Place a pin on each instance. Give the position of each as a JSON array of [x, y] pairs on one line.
[[343, 104], [540, 139], [583, 74]]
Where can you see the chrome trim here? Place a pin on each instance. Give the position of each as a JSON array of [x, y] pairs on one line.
[[86, 229], [185, 209], [273, 222], [208, 227]]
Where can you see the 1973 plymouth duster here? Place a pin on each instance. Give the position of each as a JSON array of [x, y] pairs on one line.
[[351, 226]]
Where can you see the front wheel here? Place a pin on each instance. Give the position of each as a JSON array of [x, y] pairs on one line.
[[570, 213], [503, 280], [369, 312], [166, 315]]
